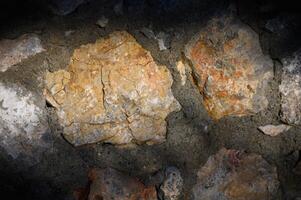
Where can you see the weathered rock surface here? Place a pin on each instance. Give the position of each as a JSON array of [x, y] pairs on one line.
[[22, 123], [113, 91], [231, 175], [173, 184], [230, 69], [274, 130], [107, 184], [14, 51], [290, 89]]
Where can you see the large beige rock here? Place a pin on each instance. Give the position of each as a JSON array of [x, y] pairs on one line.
[[112, 91], [229, 67], [233, 175]]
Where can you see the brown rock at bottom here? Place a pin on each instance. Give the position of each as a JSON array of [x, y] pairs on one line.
[[107, 184], [113, 91], [232, 175], [230, 69]]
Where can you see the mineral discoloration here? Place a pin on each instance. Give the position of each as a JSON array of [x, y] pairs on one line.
[[290, 89], [112, 91], [14, 51], [232, 175], [230, 68]]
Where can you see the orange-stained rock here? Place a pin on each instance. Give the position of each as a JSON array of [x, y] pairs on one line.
[[234, 175], [107, 184], [112, 91], [229, 67]]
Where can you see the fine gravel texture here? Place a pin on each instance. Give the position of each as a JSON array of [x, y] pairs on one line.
[[191, 135]]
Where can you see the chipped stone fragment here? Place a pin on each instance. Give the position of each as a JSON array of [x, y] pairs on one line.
[[113, 91], [23, 124], [232, 175], [14, 51], [230, 69], [274, 130], [173, 184], [102, 22], [163, 39], [182, 71], [290, 89]]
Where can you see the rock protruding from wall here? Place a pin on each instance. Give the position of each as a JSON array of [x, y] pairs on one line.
[[14, 51], [172, 186], [23, 124], [232, 175], [229, 67], [107, 184], [290, 89], [113, 91]]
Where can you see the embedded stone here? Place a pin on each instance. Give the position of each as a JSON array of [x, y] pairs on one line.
[[182, 71], [230, 69], [232, 175], [173, 184], [23, 124], [14, 51], [113, 91], [274, 130], [290, 89]]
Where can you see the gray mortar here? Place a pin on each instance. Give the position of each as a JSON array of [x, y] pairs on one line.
[[189, 144]]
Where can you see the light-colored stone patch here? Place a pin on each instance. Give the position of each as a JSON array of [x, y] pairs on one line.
[[230, 69], [274, 130], [102, 22], [290, 89], [113, 91], [22, 122], [14, 51], [182, 71]]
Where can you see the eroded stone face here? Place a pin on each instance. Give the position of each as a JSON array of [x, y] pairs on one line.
[[23, 124], [112, 91], [232, 175], [14, 51], [290, 89], [230, 69]]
